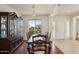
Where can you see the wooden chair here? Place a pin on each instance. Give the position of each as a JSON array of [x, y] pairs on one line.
[[39, 45]]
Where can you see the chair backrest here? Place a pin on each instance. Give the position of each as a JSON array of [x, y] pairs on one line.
[[39, 44]]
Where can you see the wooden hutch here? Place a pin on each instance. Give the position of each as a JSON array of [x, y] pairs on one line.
[[10, 32]]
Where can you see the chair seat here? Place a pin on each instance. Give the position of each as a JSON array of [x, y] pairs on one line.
[[39, 52], [39, 48]]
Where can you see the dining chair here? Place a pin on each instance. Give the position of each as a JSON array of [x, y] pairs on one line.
[[40, 45]]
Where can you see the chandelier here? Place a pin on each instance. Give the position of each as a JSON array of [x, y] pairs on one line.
[[33, 13]]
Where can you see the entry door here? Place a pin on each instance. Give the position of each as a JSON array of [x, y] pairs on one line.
[[60, 30]]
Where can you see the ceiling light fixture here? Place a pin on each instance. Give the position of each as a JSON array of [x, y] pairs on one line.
[[33, 14]]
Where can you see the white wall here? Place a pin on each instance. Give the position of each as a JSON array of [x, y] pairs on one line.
[[45, 23], [73, 24], [78, 26], [61, 28], [75, 27], [52, 27]]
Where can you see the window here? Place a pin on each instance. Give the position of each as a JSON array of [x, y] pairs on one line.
[[34, 26]]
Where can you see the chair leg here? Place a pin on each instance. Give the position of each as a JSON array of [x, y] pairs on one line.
[[29, 50], [49, 49]]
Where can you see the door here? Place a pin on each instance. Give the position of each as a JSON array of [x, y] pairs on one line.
[[60, 29]]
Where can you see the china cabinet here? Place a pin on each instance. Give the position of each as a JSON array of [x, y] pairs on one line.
[[11, 28]]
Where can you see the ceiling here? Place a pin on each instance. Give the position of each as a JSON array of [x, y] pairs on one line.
[[40, 9], [43, 9]]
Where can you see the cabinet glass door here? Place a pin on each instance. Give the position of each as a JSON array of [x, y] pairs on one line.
[[3, 26], [12, 26], [19, 27], [20, 23], [16, 27]]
